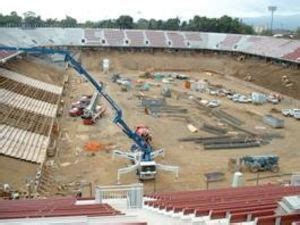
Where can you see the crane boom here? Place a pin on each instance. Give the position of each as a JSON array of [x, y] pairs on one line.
[[118, 117]]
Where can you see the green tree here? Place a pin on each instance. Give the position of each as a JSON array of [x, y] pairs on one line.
[[172, 24], [266, 33], [10, 20], [298, 32], [89, 24], [184, 25], [200, 24], [153, 24], [69, 22], [125, 22], [14, 18], [142, 24], [224, 24], [32, 20], [52, 22], [106, 24]]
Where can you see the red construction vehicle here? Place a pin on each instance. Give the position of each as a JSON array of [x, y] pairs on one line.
[[77, 108], [144, 132], [74, 112]]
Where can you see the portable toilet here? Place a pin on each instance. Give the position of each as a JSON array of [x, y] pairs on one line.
[[237, 180], [258, 98], [105, 65]]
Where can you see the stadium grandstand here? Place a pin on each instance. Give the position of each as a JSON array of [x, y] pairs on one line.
[[285, 50], [30, 112]]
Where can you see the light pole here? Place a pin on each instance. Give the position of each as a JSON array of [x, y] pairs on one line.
[[272, 9]]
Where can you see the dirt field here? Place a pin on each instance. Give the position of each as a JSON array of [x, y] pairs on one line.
[[263, 74], [15, 172], [193, 160], [73, 164]]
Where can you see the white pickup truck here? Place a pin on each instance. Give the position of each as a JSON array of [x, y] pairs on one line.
[[297, 114], [291, 112]]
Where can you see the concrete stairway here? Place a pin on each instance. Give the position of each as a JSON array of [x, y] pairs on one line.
[[146, 215]]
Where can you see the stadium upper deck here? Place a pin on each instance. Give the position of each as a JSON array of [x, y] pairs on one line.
[[282, 49]]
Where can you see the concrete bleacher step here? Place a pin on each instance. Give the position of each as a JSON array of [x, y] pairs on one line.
[[222, 205], [23, 144], [154, 218], [26, 103], [8, 147], [30, 81]]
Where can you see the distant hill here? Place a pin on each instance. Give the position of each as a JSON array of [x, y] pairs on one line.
[[291, 22]]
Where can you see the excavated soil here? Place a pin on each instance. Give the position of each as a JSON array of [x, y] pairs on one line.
[[263, 74], [73, 164]]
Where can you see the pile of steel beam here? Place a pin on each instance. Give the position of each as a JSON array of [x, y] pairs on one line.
[[223, 116], [201, 106], [202, 139], [224, 142], [231, 143], [213, 129], [160, 107], [171, 109], [153, 102]]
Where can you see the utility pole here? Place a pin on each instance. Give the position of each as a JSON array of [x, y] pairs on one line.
[[272, 9]]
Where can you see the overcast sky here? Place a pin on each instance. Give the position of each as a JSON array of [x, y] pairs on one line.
[[159, 9]]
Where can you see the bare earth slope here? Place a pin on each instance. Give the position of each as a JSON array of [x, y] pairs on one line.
[[263, 74]]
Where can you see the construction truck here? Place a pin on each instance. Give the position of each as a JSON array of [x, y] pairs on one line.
[[92, 111], [144, 164], [77, 108], [147, 170], [144, 156], [87, 108]]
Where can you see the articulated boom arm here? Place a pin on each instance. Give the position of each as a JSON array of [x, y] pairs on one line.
[[118, 119]]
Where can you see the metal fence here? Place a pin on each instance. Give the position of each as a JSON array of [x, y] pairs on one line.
[[133, 194]]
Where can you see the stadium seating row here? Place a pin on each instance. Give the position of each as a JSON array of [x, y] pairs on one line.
[[22, 144], [264, 46], [238, 205], [286, 49], [31, 82], [4, 54], [27, 90], [29, 104], [20, 118], [53, 207], [27, 110]]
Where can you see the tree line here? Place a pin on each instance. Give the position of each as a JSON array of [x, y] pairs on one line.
[[298, 33], [224, 24]]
